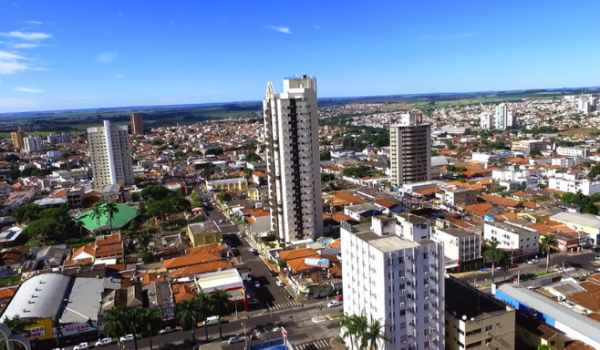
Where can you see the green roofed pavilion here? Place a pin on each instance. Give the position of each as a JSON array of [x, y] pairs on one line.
[[120, 219]]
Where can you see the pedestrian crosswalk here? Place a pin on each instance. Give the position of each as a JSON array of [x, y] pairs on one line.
[[319, 344], [287, 305]]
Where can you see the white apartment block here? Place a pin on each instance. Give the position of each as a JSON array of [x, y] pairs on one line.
[[486, 121], [56, 139], [522, 241], [293, 166], [412, 227], [571, 184], [504, 118], [573, 151], [456, 196], [410, 150], [586, 103], [32, 144], [510, 178], [567, 162], [460, 246], [110, 155], [524, 145], [396, 281]]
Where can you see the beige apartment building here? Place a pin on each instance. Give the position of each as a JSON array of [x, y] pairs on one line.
[[137, 125], [17, 140], [521, 145], [110, 155], [475, 321], [456, 196], [410, 150]]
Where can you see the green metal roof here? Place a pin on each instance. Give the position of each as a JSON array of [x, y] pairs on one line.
[[120, 219]]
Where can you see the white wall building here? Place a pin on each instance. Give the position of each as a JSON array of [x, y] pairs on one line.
[[110, 155], [510, 178], [573, 151], [569, 184], [522, 241], [460, 246], [410, 150], [32, 144], [293, 166], [504, 118], [486, 121], [394, 280], [56, 139]]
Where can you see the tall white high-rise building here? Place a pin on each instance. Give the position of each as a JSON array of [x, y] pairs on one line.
[[293, 165], [58, 139], [486, 120], [504, 118], [32, 144], [410, 150], [110, 155], [395, 280]]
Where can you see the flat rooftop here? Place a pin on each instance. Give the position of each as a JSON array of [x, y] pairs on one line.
[[412, 218], [465, 301], [457, 232], [384, 244], [512, 228]]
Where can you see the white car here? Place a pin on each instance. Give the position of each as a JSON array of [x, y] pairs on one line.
[[333, 303], [234, 340], [256, 284], [279, 283], [165, 330], [533, 261], [128, 337], [103, 342], [82, 346]]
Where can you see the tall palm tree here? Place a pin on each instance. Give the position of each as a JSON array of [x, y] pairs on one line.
[[547, 243], [493, 253], [113, 321], [133, 321], [97, 213], [346, 328], [15, 324], [354, 327], [111, 209], [220, 302], [205, 303], [188, 314], [151, 320], [374, 335]]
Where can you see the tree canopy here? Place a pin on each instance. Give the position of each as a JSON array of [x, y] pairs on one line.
[[252, 157]]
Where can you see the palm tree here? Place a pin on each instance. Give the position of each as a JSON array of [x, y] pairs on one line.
[[111, 209], [15, 324], [188, 315], [347, 328], [97, 213], [493, 253], [114, 323], [133, 321], [354, 327], [205, 303], [220, 302], [374, 335], [151, 321], [547, 243]]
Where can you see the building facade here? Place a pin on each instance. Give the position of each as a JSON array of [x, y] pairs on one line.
[[17, 139], [396, 281], [462, 247], [137, 125], [460, 196], [32, 144], [522, 241], [504, 118], [410, 150], [56, 139], [293, 166], [110, 155], [573, 151]]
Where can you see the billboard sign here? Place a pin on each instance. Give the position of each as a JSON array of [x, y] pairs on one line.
[[75, 328], [317, 262]]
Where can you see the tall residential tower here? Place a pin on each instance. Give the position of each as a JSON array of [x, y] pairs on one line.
[[293, 166], [17, 139], [410, 150], [110, 155], [137, 125]]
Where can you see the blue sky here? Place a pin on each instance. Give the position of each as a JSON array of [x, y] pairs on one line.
[[82, 54]]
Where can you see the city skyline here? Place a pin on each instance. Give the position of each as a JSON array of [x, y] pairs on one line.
[[103, 55]]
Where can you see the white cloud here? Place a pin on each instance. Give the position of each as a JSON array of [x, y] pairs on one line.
[[24, 89], [284, 30], [26, 35], [107, 57], [24, 45], [14, 104], [11, 63], [34, 22]]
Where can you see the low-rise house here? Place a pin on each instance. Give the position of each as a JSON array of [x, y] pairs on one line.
[[204, 233]]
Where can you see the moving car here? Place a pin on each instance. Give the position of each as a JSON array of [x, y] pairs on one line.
[[333, 303], [279, 283], [165, 330], [128, 337], [212, 320], [254, 251], [256, 284], [533, 261], [81, 346], [103, 342], [234, 340]]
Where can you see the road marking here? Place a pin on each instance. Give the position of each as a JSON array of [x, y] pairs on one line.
[[319, 344], [285, 305]]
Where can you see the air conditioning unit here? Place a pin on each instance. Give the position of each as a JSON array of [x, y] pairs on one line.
[[426, 286], [403, 342], [402, 304], [426, 298], [403, 278], [426, 273], [403, 290]]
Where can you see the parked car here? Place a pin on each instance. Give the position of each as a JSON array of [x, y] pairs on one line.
[[166, 330], [103, 342], [254, 251], [212, 320], [596, 249], [597, 257], [81, 346], [234, 340], [127, 338], [279, 283], [333, 303], [256, 332], [533, 261], [256, 284]]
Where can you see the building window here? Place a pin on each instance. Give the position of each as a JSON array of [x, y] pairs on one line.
[[487, 328]]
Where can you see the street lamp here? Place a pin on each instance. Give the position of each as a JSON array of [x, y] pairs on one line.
[[245, 335]]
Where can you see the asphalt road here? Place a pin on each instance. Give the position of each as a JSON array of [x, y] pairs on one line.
[[297, 322]]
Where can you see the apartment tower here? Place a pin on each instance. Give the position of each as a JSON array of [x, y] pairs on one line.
[[410, 148], [137, 126], [110, 155], [32, 144], [395, 280], [17, 139], [293, 166]]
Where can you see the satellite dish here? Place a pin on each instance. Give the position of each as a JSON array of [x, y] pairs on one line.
[[464, 317]]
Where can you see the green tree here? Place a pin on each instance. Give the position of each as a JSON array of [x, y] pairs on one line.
[[252, 157], [374, 335], [151, 320], [461, 169], [154, 192], [327, 177], [158, 209], [220, 302], [142, 243], [543, 347], [492, 253], [248, 173], [594, 172], [97, 213], [47, 228], [111, 208], [534, 153], [434, 153], [26, 213], [450, 167], [15, 324], [354, 327], [569, 197], [206, 306], [188, 315], [207, 173], [113, 321], [224, 197], [547, 243], [325, 155]]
